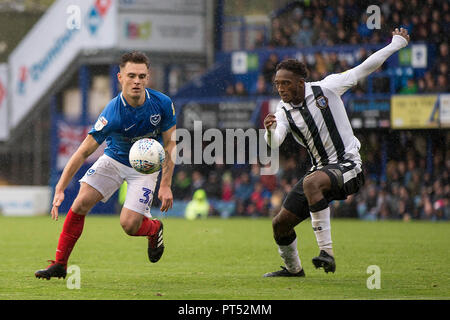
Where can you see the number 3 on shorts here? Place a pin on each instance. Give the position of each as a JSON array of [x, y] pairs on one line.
[[146, 196]]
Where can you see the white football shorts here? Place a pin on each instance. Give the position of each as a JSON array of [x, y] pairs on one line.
[[106, 175]]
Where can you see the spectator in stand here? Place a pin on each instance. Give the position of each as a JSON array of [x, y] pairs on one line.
[[261, 87], [383, 204], [421, 86], [414, 184], [425, 207], [320, 66], [198, 180], [442, 84], [239, 89], [363, 31], [369, 211], [268, 69], [410, 88], [260, 40], [276, 200], [303, 37], [394, 200], [213, 187], [441, 68], [227, 187], [277, 40], [443, 54], [405, 206], [182, 186], [244, 188], [257, 200], [345, 208], [439, 200], [198, 207], [229, 90], [269, 181]]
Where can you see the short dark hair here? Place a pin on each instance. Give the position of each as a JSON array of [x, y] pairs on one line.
[[134, 57], [294, 66]]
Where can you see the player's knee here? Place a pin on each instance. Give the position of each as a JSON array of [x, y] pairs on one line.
[[276, 225], [82, 206], [310, 184], [130, 224], [313, 185], [280, 226]]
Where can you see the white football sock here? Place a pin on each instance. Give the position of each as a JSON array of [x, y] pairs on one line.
[[320, 221], [289, 254]]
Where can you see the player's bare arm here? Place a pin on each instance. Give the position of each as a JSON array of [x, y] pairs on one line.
[[165, 192], [87, 147]]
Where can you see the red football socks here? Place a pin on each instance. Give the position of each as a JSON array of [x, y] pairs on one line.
[[148, 227], [72, 229]]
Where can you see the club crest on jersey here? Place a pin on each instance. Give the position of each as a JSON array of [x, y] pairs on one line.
[[101, 123], [321, 102], [155, 119]]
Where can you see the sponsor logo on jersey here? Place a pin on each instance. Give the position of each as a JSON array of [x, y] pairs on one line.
[[155, 119], [101, 123]]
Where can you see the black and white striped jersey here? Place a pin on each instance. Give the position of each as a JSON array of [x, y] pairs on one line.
[[320, 123]]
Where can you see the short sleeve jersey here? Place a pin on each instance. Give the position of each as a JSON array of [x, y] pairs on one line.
[[121, 125]]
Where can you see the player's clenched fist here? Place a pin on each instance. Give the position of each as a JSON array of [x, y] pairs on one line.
[[270, 120], [401, 32]]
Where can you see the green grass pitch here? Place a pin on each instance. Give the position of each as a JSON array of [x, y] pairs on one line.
[[225, 259]]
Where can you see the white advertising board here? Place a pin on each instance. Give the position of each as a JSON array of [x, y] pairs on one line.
[[25, 200], [180, 6], [162, 32], [444, 110], [67, 28], [4, 126]]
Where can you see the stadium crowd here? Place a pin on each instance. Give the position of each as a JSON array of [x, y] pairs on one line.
[[343, 22], [407, 175], [412, 184]]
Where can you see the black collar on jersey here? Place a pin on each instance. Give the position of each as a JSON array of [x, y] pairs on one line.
[[300, 106]]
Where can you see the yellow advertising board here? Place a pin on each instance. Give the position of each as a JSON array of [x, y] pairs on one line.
[[414, 111]]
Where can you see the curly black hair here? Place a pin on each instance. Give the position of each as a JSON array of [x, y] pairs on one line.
[[294, 66]]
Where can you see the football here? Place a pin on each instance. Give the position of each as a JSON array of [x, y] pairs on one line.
[[146, 155]]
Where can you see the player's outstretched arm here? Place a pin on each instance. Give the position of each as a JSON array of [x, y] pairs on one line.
[[165, 191], [87, 147], [400, 39]]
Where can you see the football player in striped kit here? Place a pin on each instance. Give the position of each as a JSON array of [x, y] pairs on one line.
[[313, 112]]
